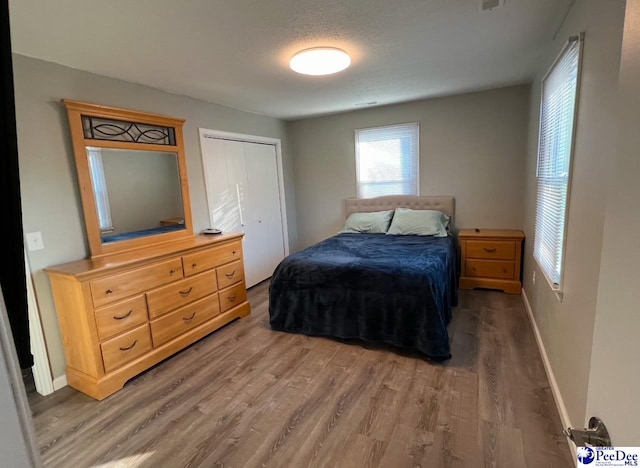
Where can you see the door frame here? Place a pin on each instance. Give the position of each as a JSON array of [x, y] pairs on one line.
[[41, 370], [276, 142]]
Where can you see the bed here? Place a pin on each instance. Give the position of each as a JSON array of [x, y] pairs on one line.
[[394, 289]]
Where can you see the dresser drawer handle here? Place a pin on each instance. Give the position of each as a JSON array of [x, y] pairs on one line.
[[489, 250], [122, 317], [233, 253], [172, 271], [109, 291], [127, 348], [187, 292], [194, 264], [232, 298], [473, 268], [230, 275], [189, 319]]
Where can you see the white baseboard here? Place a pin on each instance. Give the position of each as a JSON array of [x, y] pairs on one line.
[[557, 396], [59, 382]]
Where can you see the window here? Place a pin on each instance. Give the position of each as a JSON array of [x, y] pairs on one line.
[[96, 169], [555, 148], [387, 160]]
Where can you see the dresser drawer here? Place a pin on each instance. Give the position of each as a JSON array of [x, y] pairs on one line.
[[182, 320], [207, 259], [499, 250], [180, 293], [113, 288], [230, 274], [126, 347], [120, 317], [233, 296], [490, 269]]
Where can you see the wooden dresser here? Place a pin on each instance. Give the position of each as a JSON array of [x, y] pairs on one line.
[[123, 313], [491, 258]]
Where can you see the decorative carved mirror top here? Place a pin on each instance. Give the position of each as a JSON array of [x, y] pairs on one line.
[[133, 177]]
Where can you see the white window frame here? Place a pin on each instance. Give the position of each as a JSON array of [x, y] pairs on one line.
[[413, 127], [554, 274]]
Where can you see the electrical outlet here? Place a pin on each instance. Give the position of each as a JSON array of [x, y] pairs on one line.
[[533, 277], [34, 241]]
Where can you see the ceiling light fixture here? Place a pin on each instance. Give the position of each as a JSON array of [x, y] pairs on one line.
[[320, 61]]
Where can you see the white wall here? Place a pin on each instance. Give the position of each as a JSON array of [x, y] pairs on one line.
[[614, 384], [472, 146], [50, 198], [567, 327]]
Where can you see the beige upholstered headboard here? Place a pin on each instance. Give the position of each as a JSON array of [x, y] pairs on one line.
[[444, 203]]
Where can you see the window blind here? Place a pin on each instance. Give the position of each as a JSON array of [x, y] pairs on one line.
[[387, 160], [555, 147], [99, 181]]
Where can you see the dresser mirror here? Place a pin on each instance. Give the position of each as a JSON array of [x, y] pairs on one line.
[[132, 174]]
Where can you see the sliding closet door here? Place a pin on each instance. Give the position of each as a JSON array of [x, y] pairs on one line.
[[226, 182], [264, 244], [243, 193]]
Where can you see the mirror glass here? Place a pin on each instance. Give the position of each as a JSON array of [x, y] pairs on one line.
[[137, 192]]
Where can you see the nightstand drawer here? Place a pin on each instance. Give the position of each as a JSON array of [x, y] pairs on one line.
[[499, 250], [489, 269]]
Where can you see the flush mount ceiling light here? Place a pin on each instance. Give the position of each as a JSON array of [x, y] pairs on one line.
[[320, 61]]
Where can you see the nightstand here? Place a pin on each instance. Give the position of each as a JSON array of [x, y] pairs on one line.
[[491, 258]]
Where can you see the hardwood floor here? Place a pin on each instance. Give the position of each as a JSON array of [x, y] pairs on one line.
[[247, 396]]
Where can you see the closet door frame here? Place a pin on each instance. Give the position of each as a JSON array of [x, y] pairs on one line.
[[209, 133]]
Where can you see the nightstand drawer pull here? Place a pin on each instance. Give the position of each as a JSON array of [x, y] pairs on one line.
[[495, 250], [194, 264], [189, 319], [231, 298], [127, 348], [109, 291], [230, 275], [172, 271], [187, 292], [122, 317]]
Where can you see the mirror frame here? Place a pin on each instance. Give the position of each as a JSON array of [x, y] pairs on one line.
[[75, 111]]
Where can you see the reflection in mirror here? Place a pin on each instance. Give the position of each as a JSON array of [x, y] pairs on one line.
[[137, 192]]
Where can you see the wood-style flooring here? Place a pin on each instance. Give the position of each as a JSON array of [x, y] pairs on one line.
[[247, 396]]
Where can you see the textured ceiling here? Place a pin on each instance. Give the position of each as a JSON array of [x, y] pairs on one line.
[[236, 53]]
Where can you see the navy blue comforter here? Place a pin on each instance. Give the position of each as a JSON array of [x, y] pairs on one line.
[[398, 290]]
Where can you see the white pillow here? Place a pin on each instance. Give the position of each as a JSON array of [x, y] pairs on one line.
[[376, 222], [419, 223]]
